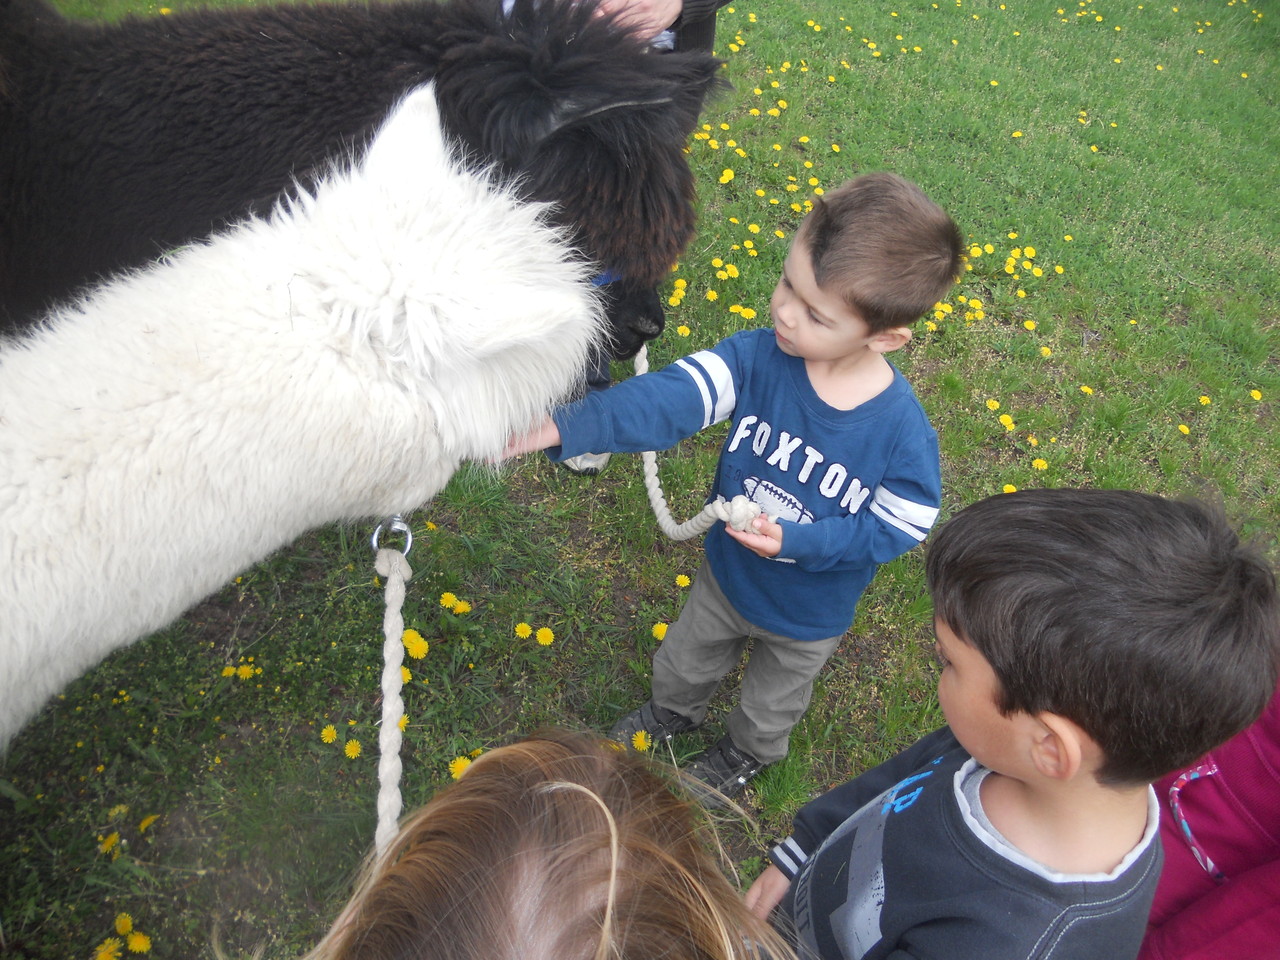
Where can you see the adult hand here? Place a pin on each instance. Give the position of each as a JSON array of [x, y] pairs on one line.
[[764, 538], [767, 892], [647, 18]]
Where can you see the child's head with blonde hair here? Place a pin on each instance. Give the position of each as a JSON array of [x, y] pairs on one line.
[[558, 847]]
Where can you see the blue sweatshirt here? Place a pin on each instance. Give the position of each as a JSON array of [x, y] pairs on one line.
[[852, 488]]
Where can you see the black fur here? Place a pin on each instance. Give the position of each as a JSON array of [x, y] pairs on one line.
[[118, 142]]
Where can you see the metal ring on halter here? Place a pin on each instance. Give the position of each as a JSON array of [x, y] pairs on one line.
[[394, 525]]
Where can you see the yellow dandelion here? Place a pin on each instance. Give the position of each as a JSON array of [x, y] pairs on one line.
[[415, 644], [1006, 421], [993, 404], [1016, 134], [458, 766], [1086, 390], [329, 734], [108, 949], [147, 821], [712, 295], [641, 740], [1009, 488], [1040, 464], [352, 749], [1256, 394], [448, 600], [545, 636], [523, 630], [461, 607], [405, 674], [726, 175], [683, 331], [1205, 401], [123, 924], [403, 722], [682, 580], [1184, 429], [109, 843], [139, 942], [228, 671], [244, 671]]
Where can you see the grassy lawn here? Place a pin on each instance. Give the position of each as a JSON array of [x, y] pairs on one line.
[[1113, 165]]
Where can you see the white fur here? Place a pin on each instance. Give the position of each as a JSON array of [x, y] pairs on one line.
[[338, 361]]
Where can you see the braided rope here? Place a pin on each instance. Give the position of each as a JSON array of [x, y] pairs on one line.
[[738, 512], [394, 568]]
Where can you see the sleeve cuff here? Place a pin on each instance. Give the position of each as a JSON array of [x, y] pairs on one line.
[[788, 857]]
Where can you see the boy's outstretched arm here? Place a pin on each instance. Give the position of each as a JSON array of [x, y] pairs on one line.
[[545, 434], [767, 892]]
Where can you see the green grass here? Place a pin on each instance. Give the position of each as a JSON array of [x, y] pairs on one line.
[[1165, 308]]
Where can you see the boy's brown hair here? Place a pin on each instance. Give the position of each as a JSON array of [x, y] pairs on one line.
[[883, 247], [1143, 620]]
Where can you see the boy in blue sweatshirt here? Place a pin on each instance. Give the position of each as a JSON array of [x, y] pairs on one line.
[[827, 438], [1090, 642]]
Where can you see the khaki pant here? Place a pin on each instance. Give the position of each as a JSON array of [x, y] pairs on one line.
[[707, 641]]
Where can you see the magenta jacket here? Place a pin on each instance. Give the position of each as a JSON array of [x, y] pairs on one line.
[[1219, 894]]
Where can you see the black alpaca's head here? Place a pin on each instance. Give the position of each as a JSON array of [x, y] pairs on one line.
[[592, 120]]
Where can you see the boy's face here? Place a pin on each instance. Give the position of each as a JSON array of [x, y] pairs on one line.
[[967, 691], [809, 322]]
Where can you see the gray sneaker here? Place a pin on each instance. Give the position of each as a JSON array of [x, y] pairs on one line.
[[658, 722], [720, 773], [587, 464]]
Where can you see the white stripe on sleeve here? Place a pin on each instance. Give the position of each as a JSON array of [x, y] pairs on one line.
[[714, 382], [790, 855], [913, 519]]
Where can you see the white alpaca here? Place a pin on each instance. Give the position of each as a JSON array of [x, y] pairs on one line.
[[337, 361]]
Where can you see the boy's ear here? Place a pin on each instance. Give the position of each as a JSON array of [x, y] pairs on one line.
[[1059, 747], [887, 341]]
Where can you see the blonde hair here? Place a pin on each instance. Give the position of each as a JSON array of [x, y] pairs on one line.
[[558, 847]]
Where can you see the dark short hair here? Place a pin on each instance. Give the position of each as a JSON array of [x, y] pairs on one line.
[[883, 247], [1141, 619]]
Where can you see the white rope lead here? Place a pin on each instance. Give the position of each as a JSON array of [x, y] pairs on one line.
[[738, 512], [394, 569]]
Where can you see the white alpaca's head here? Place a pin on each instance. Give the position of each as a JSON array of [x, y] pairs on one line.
[[468, 297]]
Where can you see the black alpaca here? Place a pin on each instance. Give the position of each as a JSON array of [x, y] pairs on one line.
[[119, 142]]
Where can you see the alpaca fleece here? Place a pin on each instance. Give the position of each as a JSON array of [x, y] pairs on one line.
[[338, 359], [119, 142]]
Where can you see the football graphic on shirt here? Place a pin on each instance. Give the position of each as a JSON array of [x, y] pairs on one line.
[[775, 502]]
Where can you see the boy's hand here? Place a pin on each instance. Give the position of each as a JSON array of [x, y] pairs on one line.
[[767, 892], [764, 538], [545, 434]]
